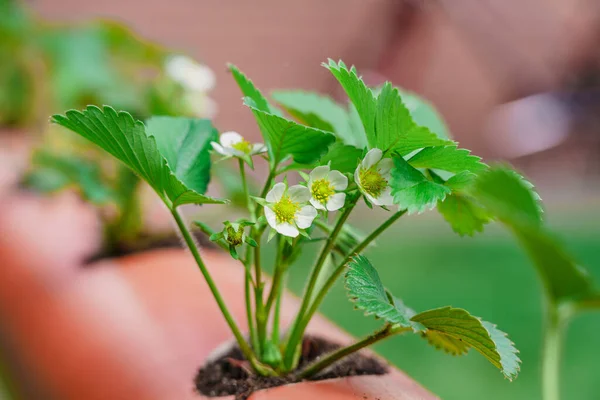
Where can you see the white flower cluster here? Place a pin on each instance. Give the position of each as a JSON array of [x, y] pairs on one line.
[[197, 80], [291, 209]]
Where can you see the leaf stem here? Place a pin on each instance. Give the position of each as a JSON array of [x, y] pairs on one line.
[[297, 329], [247, 266], [318, 366], [340, 268], [244, 347], [551, 351]]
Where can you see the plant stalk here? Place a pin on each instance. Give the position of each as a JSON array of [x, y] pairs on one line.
[[247, 265], [551, 352], [301, 325], [318, 366], [244, 347], [297, 330]]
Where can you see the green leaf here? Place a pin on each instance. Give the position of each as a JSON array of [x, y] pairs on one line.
[[251, 91], [416, 138], [368, 294], [463, 214], [342, 157], [185, 144], [392, 120], [53, 172], [480, 335], [447, 158], [461, 182], [395, 128], [563, 277], [412, 190], [126, 139], [450, 345], [425, 114], [509, 197], [285, 138], [317, 111], [359, 94]]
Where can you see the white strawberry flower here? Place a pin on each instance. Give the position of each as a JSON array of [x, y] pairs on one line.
[[286, 209], [233, 144], [324, 185], [372, 177], [189, 74]]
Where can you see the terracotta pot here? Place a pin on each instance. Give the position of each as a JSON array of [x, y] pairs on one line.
[[133, 328]]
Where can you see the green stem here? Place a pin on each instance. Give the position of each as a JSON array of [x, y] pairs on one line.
[[277, 275], [275, 334], [261, 317], [551, 350], [244, 347], [300, 328], [247, 265], [298, 331], [314, 368]]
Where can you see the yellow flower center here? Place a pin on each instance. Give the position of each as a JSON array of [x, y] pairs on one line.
[[372, 181], [285, 210], [243, 146], [322, 190]]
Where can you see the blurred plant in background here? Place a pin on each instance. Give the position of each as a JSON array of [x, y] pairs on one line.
[[48, 67]]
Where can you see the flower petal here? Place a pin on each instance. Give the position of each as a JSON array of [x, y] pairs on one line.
[[317, 204], [386, 198], [299, 194], [372, 158], [385, 166], [287, 230], [271, 217], [357, 176], [305, 216], [319, 172], [230, 138], [218, 148], [276, 193], [258, 148], [371, 199], [338, 180], [336, 201]]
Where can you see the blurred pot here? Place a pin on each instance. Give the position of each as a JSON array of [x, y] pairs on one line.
[[137, 327]]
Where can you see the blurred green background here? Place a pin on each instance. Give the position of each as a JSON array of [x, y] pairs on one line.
[[423, 262]]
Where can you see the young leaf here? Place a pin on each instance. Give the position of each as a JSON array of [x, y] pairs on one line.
[[392, 119], [412, 190], [185, 144], [480, 335], [425, 114], [366, 290], [359, 94], [342, 157], [317, 111], [395, 128], [463, 214], [285, 138], [251, 91], [447, 158], [126, 139]]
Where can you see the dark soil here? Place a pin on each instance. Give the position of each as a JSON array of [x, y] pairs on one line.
[[148, 243], [230, 373]]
